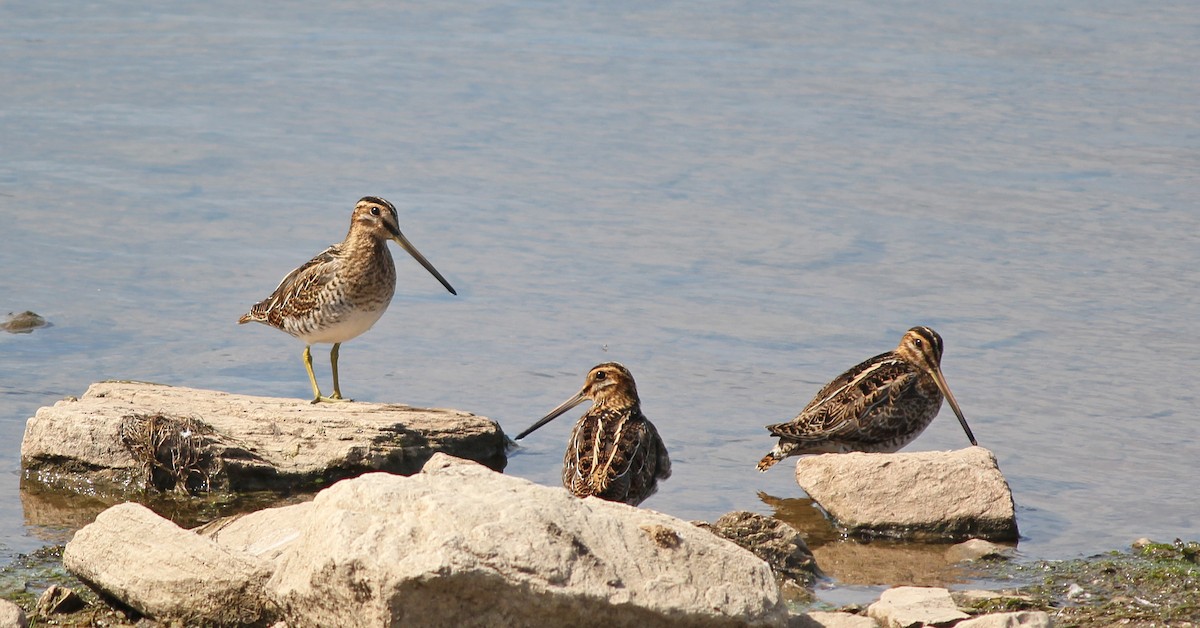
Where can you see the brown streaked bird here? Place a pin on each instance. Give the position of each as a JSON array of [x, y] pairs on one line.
[[614, 452], [878, 406], [340, 293]]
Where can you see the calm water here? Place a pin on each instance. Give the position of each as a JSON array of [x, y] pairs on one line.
[[738, 200]]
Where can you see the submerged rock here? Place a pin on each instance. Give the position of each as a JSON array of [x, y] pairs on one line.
[[925, 495], [458, 545], [22, 323], [978, 549], [129, 436]]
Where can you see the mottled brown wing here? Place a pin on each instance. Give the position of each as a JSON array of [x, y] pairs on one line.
[[843, 406], [297, 290], [649, 464], [615, 455]]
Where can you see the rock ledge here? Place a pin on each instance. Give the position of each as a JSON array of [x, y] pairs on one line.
[[122, 437]]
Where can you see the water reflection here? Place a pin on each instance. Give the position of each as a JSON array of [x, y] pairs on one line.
[[874, 562], [55, 515]]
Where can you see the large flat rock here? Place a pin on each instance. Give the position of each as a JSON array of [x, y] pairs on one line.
[[948, 495], [127, 436], [458, 545], [454, 545]]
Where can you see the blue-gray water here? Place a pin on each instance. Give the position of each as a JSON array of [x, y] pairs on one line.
[[738, 200]]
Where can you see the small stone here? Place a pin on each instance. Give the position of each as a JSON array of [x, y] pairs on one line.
[[1076, 592], [22, 323], [907, 607], [11, 615], [1021, 619], [822, 619], [978, 549], [1142, 542], [58, 599]]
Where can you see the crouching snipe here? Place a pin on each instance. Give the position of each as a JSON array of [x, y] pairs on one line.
[[614, 452], [879, 406]]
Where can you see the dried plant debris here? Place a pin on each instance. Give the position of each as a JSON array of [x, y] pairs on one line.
[[22, 323], [175, 452]]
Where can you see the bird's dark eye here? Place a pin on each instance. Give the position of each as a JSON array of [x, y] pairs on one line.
[[374, 211], [918, 342], [601, 375]]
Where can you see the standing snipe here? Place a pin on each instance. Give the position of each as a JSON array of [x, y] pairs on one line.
[[340, 293], [880, 405], [614, 453]]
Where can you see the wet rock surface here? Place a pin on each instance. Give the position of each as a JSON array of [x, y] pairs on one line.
[[122, 437], [932, 495], [22, 323]]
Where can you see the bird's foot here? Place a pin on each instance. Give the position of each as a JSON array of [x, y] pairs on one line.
[[333, 399]]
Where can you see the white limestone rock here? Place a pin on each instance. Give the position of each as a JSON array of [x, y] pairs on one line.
[[908, 607], [238, 442], [924, 495], [460, 545], [1020, 619], [168, 573], [12, 616]]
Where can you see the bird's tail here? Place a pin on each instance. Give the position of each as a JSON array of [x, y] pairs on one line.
[[770, 459]]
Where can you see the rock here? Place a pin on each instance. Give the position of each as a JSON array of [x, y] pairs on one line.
[[1022, 619], [821, 619], [927, 495], [771, 540], [906, 607], [264, 534], [11, 615], [127, 436], [167, 573], [56, 599], [461, 545], [976, 598], [978, 549], [22, 323]]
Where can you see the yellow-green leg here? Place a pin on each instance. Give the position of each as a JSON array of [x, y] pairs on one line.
[[312, 377], [333, 358]]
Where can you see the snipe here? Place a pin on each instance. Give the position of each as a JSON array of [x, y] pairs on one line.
[[881, 405], [614, 452], [342, 292]]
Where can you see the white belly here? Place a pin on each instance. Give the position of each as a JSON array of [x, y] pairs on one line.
[[349, 323]]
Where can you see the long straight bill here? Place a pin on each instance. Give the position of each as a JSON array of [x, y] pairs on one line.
[[554, 414], [941, 384], [412, 250]]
